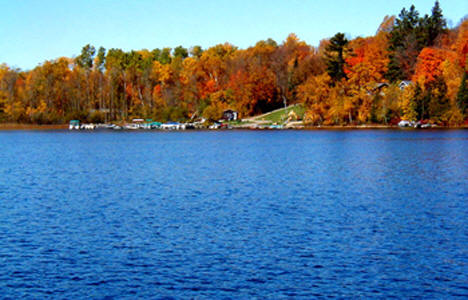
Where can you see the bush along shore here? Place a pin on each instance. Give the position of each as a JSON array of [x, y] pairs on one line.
[[413, 69], [291, 117]]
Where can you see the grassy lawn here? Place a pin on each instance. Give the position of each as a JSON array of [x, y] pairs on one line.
[[281, 116], [238, 122]]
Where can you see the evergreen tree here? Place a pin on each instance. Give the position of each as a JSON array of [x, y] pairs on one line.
[[436, 24], [335, 56], [462, 96], [403, 44], [409, 35]]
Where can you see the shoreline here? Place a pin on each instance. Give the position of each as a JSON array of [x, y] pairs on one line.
[[34, 127], [20, 126]]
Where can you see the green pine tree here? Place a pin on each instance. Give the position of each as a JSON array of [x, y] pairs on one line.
[[462, 95], [403, 38], [436, 24], [335, 56], [409, 35]]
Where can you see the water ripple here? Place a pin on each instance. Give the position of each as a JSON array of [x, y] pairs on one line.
[[346, 214]]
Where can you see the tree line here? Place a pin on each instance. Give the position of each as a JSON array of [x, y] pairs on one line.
[[413, 68]]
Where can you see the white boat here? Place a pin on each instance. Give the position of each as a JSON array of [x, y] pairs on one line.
[[88, 126], [173, 126], [215, 126], [74, 125], [404, 123], [132, 126]]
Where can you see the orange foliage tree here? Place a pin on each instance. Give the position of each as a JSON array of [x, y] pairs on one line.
[[429, 64]]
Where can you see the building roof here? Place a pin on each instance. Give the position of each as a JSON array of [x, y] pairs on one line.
[[405, 82]]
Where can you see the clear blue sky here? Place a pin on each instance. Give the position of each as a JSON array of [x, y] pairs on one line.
[[32, 31]]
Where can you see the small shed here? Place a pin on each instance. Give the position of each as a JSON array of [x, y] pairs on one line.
[[403, 84], [230, 115]]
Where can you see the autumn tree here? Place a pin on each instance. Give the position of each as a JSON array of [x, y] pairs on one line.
[[409, 103], [85, 61], [429, 64], [461, 44], [438, 103], [196, 51], [99, 62], [315, 94], [385, 105], [339, 82], [283, 64], [10, 106], [180, 52], [165, 56]]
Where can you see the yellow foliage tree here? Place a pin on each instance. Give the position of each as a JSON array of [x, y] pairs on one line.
[[215, 110], [314, 93], [452, 74], [407, 103], [15, 111]]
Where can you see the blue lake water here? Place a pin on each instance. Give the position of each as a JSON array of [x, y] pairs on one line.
[[236, 214]]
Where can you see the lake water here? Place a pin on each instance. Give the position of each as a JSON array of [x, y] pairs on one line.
[[235, 214]]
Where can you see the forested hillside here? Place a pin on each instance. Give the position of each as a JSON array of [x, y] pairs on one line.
[[413, 68]]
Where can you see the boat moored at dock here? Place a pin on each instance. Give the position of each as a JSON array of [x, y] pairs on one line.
[[74, 125]]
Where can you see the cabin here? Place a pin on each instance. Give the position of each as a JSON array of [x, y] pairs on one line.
[[230, 115], [404, 83]]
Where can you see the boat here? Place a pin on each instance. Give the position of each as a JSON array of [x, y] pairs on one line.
[[155, 125], [173, 126], [405, 123], [215, 125], [74, 125], [88, 126], [276, 126], [131, 126]]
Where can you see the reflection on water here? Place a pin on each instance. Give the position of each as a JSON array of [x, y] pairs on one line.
[[234, 214]]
